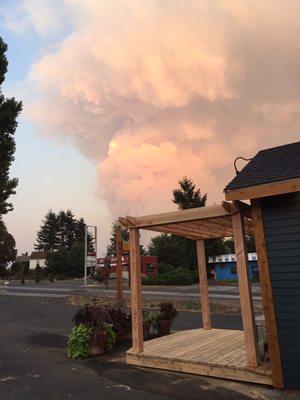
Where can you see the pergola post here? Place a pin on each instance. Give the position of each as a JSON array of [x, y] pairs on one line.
[[245, 290], [203, 284], [136, 291], [119, 266], [267, 293]]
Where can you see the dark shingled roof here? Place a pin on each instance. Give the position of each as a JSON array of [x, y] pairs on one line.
[[38, 255], [270, 165]]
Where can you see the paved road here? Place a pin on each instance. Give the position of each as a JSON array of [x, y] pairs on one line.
[[34, 366], [66, 288]]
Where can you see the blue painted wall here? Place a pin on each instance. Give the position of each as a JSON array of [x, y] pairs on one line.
[[226, 271]]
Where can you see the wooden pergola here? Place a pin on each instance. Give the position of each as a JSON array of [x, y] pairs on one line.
[[217, 221]]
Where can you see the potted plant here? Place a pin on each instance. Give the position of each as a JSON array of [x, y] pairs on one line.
[[165, 317], [102, 335], [103, 339], [79, 342], [148, 319]]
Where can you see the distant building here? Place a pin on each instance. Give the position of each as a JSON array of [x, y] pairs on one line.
[[226, 270], [149, 266], [24, 258], [37, 258]]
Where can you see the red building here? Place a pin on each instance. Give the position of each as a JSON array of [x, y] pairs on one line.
[[148, 266]]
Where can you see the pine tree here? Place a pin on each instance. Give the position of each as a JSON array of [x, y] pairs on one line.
[[79, 230], [111, 248], [67, 229], [9, 110], [7, 248], [47, 236], [60, 231], [187, 196], [183, 251]]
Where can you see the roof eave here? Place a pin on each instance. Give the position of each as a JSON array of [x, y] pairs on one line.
[[264, 190]]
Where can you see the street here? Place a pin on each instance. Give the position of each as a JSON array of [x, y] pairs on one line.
[[68, 287], [34, 364]]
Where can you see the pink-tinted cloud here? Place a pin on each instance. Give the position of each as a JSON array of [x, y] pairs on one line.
[[152, 91]]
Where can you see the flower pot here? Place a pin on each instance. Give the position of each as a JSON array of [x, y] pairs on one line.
[[98, 344], [98, 350], [164, 327]]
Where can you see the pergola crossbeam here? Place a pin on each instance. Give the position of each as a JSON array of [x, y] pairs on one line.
[[175, 231], [198, 213]]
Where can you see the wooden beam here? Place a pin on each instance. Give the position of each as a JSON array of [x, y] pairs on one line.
[[244, 208], [136, 291], [245, 290], [123, 221], [131, 220], [203, 284], [183, 215], [267, 189], [207, 227], [221, 222], [174, 231], [119, 266], [267, 294], [189, 232], [228, 207]]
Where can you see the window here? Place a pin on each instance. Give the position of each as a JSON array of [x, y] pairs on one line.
[[233, 270], [149, 268], [226, 257]]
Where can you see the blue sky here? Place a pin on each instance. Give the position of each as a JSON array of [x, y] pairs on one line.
[[52, 175]]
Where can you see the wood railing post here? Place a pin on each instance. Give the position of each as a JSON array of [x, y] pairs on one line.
[[119, 266], [136, 291], [245, 290], [203, 284]]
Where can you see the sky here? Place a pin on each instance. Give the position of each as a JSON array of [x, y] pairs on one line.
[[123, 98]]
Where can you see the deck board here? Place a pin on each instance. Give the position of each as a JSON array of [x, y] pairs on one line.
[[216, 352]]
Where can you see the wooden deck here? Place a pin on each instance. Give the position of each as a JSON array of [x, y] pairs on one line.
[[217, 352]]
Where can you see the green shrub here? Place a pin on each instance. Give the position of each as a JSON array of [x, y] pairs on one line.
[[179, 276], [111, 337], [164, 268], [79, 342]]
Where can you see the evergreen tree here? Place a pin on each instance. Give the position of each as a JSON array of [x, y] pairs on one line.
[[47, 236], [79, 230], [67, 229], [67, 263], [179, 251], [9, 110], [7, 248], [111, 248], [187, 196], [61, 231]]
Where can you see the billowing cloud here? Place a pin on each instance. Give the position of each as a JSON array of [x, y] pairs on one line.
[[155, 90]]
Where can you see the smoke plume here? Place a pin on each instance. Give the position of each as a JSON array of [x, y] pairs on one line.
[[155, 90]]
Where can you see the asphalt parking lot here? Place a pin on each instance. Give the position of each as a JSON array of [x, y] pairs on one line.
[[34, 365]]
